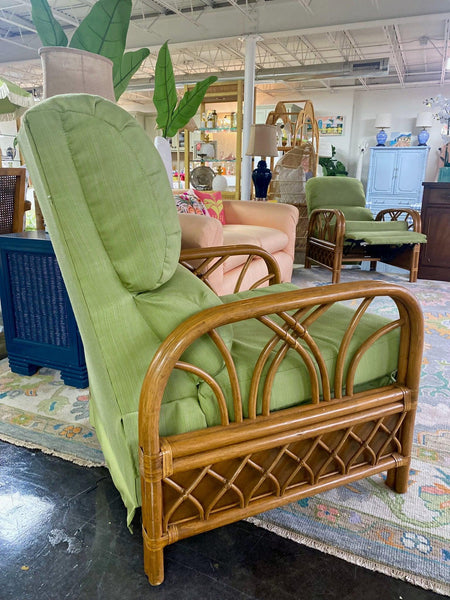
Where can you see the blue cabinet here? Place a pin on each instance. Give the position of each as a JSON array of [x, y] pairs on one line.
[[395, 177], [40, 327]]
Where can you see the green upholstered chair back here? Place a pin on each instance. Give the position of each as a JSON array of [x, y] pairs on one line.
[[343, 193], [113, 224], [126, 196]]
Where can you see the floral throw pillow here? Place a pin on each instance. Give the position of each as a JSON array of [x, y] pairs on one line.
[[187, 202], [213, 204]]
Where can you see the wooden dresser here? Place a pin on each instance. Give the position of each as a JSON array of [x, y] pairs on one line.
[[434, 262]]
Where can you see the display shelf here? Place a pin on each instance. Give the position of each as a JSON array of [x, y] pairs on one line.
[[228, 139], [217, 129], [213, 160]]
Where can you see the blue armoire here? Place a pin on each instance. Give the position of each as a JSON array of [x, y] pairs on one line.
[[395, 177]]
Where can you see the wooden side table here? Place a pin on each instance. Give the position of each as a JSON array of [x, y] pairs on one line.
[[434, 261], [40, 327]]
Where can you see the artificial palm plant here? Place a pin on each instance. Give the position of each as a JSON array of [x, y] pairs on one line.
[[103, 31], [171, 114]]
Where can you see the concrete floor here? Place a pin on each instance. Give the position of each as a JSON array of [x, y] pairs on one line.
[[63, 536]]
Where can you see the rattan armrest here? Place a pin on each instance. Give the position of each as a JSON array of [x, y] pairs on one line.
[[327, 224], [202, 262], [396, 214]]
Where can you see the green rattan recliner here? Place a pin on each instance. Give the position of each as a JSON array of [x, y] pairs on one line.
[[342, 230], [209, 409]]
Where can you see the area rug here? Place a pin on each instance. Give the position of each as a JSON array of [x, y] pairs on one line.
[[403, 535], [406, 536]]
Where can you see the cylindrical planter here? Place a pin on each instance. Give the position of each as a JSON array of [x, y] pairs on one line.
[[69, 70], [163, 146]]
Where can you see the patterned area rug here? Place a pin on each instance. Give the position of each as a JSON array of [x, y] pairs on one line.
[[406, 536]]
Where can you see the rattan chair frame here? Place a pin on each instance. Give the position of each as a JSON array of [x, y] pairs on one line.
[[326, 244], [197, 481], [203, 262], [12, 199]]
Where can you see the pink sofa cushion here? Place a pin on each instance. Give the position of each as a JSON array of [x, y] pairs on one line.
[[272, 240]]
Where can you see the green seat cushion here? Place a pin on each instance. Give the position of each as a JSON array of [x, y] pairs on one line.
[[292, 385], [385, 238]]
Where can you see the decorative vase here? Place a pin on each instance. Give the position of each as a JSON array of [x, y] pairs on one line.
[[261, 178], [423, 137], [69, 70], [163, 146], [219, 183], [381, 137]]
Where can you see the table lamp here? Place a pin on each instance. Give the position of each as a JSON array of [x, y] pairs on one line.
[[382, 122], [325, 149], [424, 120], [262, 142]]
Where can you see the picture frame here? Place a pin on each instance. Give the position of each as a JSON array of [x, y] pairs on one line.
[[400, 139], [331, 125]]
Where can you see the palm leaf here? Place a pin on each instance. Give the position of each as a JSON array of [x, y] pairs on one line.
[[49, 30], [188, 106], [104, 30], [165, 94], [131, 61]]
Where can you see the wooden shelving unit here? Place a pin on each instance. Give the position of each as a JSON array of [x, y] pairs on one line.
[[219, 93]]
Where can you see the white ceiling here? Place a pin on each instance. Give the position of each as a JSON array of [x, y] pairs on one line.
[[294, 37]]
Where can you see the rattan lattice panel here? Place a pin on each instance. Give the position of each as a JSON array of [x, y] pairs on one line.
[[237, 483]]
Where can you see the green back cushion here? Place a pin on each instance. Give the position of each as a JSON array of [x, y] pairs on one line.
[[120, 180], [334, 192]]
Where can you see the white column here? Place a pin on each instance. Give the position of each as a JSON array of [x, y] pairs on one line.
[[249, 87]]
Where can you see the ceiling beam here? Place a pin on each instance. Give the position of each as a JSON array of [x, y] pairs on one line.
[[396, 53]]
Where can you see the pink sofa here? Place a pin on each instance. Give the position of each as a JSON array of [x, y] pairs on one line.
[[267, 225]]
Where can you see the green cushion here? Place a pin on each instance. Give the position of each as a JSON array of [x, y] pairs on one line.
[[128, 197], [377, 367], [398, 238], [334, 192], [374, 226], [357, 213]]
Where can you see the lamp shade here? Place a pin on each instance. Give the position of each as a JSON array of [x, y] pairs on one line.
[[325, 149], [262, 141], [424, 119], [383, 121]]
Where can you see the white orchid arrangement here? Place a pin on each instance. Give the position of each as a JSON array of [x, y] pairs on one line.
[[442, 114]]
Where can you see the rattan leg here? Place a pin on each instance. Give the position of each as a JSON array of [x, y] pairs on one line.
[[397, 479], [154, 565], [336, 275]]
